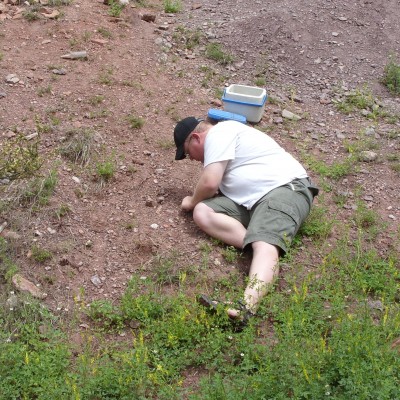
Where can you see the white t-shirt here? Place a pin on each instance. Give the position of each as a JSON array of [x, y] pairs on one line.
[[257, 164]]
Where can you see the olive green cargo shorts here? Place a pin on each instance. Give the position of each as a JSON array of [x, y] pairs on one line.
[[276, 217]]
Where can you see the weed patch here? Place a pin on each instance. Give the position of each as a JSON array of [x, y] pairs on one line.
[[172, 6], [334, 171], [19, 158], [105, 170], [78, 146], [38, 191], [391, 78], [214, 51], [135, 122]]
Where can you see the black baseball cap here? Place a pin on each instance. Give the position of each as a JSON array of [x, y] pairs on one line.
[[182, 130]]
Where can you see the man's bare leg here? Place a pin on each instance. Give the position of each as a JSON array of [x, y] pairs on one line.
[[264, 265], [263, 270], [219, 226]]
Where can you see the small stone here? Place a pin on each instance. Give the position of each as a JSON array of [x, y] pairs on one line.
[[61, 71], [365, 113], [75, 55], [368, 156], [216, 102], [99, 41], [375, 304], [370, 131], [3, 226], [76, 180], [148, 17], [95, 280], [391, 216], [150, 202], [289, 115], [12, 78], [340, 135], [51, 14], [278, 120], [154, 226], [31, 136], [10, 235], [12, 302]]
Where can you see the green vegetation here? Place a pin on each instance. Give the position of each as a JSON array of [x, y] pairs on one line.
[[41, 255], [335, 170], [391, 77], [318, 225], [361, 99], [31, 14], [104, 32], [38, 191], [59, 2], [19, 158], [44, 90], [78, 146], [96, 100], [187, 38], [63, 210], [333, 331], [230, 254], [260, 81], [172, 6], [116, 8], [105, 170], [215, 52], [135, 122], [105, 77]]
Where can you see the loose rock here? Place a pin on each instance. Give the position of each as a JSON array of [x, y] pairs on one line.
[[368, 156], [23, 285], [289, 115]]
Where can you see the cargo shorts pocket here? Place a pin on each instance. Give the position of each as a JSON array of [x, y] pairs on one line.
[[285, 209]]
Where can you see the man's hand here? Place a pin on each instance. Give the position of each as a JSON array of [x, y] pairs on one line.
[[207, 186], [187, 203]]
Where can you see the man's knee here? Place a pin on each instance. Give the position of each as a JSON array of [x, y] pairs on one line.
[[201, 214], [263, 247]]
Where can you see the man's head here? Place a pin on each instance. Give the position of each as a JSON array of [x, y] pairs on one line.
[[182, 131]]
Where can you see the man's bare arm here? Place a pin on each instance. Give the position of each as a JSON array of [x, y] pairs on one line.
[[207, 186]]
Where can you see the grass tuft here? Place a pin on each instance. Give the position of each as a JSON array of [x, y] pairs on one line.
[[391, 78], [215, 52]]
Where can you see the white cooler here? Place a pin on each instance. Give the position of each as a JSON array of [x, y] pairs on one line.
[[245, 100]]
